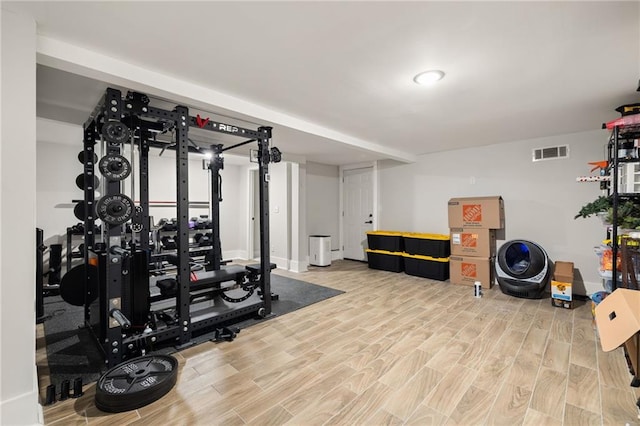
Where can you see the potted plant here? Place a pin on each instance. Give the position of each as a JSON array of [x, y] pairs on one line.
[[599, 206], [628, 212]]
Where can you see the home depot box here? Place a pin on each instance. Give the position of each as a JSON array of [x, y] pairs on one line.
[[561, 285], [618, 322], [477, 212], [473, 242], [466, 270]]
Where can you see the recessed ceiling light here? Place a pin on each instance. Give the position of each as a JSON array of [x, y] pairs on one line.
[[428, 77]]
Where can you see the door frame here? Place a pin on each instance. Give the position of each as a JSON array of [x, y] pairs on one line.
[[376, 212]]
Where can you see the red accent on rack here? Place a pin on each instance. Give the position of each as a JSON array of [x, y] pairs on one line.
[[200, 122]]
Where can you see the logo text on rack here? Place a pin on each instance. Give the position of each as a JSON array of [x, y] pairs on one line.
[[227, 128]]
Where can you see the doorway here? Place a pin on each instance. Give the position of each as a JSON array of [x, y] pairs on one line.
[[358, 211]]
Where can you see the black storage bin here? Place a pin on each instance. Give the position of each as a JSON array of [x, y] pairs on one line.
[[432, 245], [426, 267], [385, 240], [385, 260]]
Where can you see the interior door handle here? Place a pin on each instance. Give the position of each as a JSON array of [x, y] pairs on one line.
[[369, 221]]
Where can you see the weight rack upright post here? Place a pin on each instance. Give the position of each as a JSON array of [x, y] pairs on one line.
[[89, 143], [182, 185], [265, 258], [113, 282]]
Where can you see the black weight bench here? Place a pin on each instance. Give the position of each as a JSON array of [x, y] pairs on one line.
[[254, 268], [210, 279]]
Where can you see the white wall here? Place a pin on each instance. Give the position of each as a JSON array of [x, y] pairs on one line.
[[279, 213], [234, 214], [58, 167], [18, 384], [540, 198], [323, 201]]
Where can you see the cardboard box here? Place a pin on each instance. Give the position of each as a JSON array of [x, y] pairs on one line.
[[466, 270], [563, 271], [561, 296], [618, 322], [476, 212], [473, 242], [561, 285]]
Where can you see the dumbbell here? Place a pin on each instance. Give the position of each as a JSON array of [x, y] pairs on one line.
[[169, 243], [205, 240], [170, 225]]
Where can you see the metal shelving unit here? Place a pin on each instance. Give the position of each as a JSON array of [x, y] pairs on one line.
[[621, 138]]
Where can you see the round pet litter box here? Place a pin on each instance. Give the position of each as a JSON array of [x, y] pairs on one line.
[[522, 269]]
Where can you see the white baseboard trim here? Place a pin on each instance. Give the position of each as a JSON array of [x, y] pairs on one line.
[[590, 288], [281, 262], [295, 266], [337, 255], [234, 254], [21, 410]]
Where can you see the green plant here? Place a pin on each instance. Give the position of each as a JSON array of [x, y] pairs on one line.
[[600, 205], [628, 212], [628, 215]]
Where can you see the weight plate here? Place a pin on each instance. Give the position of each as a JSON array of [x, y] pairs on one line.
[[80, 181], [114, 167], [78, 210], [136, 383], [115, 132], [81, 157], [136, 227], [115, 209], [72, 285]]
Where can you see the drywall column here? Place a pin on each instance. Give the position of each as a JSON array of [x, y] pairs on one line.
[[279, 203], [298, 216], [18, 379]]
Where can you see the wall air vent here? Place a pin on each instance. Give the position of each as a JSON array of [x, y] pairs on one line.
[[550, 153]]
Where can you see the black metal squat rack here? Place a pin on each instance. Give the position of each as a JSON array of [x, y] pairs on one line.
[[119, 309]]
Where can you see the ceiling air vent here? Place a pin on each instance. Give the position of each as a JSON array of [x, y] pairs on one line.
[[551, 153]]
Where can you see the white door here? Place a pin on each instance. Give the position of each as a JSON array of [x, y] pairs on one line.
[[358, 211]]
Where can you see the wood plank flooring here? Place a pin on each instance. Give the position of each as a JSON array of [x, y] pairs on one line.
[[393, 349]]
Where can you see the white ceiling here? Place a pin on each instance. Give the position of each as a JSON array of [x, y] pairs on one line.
[[515, 70]]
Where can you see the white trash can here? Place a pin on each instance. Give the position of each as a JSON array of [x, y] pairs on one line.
[[320, 250]]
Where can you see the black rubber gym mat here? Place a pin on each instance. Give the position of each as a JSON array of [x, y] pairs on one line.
[[73, 353]]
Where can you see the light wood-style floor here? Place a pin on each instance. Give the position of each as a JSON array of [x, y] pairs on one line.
[[394, 349]]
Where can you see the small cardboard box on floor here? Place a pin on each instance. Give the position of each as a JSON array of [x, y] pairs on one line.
[[466, 270], [473, 242], [476, 212], [618, 322], [561, 285]]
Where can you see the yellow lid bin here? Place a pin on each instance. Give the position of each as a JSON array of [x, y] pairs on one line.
[[432, 245], [436, 268], [385, 240], [385, 260]]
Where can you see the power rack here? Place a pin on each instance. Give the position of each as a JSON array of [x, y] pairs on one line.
[[114, 283]]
